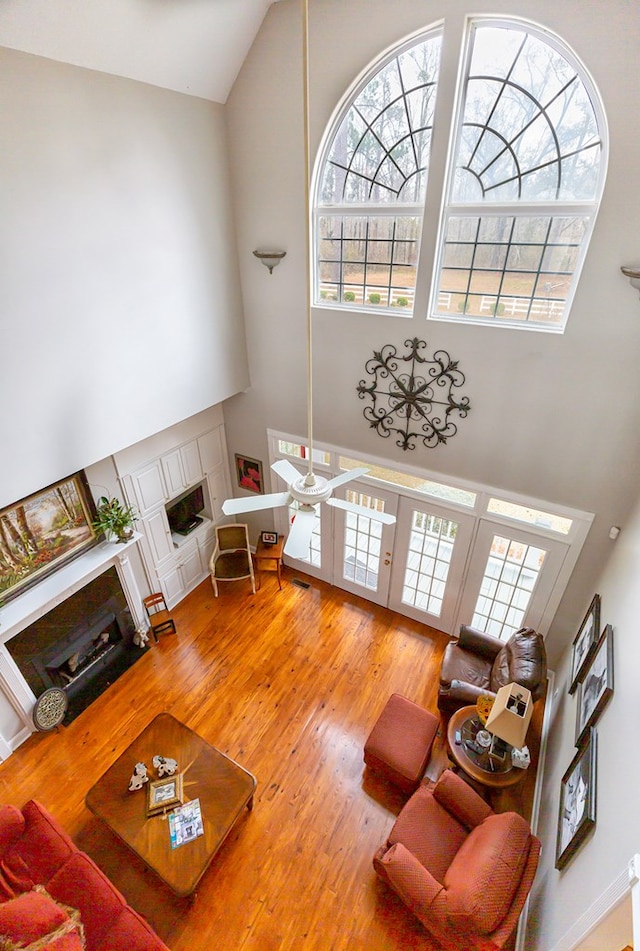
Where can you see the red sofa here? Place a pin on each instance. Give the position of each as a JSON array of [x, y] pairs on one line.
[[49, 887]]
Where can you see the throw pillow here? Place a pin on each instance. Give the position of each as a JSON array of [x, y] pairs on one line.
[[34, 921]]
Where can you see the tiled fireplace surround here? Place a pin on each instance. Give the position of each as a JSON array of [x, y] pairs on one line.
[[17, 698]]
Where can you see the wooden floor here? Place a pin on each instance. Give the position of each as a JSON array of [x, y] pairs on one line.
[[288, 683]]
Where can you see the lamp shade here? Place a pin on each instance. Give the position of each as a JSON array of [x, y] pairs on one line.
[[510, 715]]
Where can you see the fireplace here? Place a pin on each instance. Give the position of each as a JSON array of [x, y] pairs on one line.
[[83, 645]]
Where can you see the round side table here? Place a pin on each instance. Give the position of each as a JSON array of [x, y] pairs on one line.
[[475, 764]]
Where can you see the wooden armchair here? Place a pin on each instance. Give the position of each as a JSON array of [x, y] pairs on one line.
[[231, 559]]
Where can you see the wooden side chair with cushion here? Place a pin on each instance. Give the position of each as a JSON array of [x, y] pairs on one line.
[[231, 559], [160, 620]]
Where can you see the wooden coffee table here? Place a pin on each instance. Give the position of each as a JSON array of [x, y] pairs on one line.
[[223, 787]]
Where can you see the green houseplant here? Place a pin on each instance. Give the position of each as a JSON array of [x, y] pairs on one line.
[[114, 518]]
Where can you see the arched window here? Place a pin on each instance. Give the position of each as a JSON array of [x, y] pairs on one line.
[[371, 187], [524, 181]]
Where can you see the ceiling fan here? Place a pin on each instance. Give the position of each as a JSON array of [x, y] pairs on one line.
[[305, 491]]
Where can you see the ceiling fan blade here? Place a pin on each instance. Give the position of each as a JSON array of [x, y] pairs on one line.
[[346, 477], [361, 510], [237, 506], [297, 544], [284, 469]]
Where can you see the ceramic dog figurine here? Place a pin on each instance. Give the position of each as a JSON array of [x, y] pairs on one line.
[[164, 765], [139, 777]]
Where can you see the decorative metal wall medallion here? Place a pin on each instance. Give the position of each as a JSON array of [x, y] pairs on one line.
[[411, 405]]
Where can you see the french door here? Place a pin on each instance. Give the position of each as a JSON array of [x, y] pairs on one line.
[[436, 565], [363, 547], [458, 553], [432, 544], [511, 576]]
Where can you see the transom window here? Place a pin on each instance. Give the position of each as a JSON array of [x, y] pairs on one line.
[[524, 179]]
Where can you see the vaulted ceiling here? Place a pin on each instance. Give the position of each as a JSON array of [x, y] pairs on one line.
[[194, 47]]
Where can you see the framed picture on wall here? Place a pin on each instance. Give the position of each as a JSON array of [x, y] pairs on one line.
[[585, 643], [249, 473], [577, 813], [40, 533], [596, 686]]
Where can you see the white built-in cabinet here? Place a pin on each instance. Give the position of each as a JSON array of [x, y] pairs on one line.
[[176, 564]]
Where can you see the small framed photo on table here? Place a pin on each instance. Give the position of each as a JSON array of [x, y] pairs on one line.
[[269, 538], [164, 794]]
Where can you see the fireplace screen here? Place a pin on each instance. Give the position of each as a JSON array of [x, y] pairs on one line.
[[85, 652]]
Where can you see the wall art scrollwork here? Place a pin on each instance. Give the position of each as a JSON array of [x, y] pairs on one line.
[[413, 405]]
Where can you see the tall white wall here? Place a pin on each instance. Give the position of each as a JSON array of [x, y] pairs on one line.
[[120, 303], [553, 416], [559, 899]]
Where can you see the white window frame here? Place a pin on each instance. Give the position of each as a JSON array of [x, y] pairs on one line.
[[449, 208], [363, 209], [447, 126]]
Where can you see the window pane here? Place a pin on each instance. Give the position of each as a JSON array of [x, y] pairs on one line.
[[379, 155], [518, 268], [528, 133], [509, 579], [380, 150], [436, 490], [530, 516], [529, 128], [428, 560], [378, 257]]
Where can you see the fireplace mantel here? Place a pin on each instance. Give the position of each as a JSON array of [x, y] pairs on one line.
[[16, 697]]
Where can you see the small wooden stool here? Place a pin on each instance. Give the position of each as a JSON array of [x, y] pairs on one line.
[[399, 745]]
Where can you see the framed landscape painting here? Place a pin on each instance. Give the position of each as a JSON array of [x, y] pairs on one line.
[[596, 687], [577, 815], [584, 643], [43, 531]]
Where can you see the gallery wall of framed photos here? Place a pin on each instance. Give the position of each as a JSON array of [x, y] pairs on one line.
[[591, 684]]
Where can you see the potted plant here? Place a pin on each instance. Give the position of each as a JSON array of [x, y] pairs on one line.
[[114, 518]]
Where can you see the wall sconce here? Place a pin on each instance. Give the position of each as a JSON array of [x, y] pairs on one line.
[[633, 273], [270, 259]]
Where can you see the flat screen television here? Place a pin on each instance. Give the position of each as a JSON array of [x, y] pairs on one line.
[[183, 515]]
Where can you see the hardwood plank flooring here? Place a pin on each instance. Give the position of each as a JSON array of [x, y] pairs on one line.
[[289, 684]]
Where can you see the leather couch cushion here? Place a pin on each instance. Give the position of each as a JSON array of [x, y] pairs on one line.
[[464, 665], [522, 660], [489, 863]]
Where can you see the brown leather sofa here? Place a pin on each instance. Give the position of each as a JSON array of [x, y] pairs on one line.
[[463, 870], [479, 663]]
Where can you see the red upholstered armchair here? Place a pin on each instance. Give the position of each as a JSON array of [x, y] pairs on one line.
[[463, 870]]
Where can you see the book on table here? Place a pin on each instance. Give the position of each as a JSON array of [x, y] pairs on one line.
[[185, 823]]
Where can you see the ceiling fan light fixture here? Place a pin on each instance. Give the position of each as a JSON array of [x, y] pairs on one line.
[[304, 490], [270, 259]]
